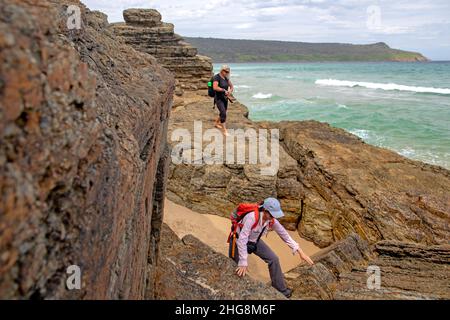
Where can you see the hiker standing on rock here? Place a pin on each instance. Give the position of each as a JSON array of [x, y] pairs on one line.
[[223, 89], [249, 223]]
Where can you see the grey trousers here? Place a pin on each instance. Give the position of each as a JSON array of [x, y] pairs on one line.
[[264, 252]]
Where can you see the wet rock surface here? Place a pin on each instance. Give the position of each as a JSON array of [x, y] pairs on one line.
[[190, 270], [83, 121]]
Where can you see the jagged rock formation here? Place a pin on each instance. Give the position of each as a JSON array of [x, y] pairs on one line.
[[83, 155], [190, 270], [407, 271], [144, 30], [330, 182]]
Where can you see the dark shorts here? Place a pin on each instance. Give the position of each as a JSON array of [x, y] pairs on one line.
[[222, 105]]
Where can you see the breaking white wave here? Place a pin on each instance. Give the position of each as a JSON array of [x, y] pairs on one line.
[[369, 136], [382, 86], [263, 96]]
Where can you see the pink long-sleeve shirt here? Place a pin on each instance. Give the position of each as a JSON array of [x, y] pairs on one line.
[[246, 234]]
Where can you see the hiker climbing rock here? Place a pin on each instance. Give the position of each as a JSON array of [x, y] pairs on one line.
[[249, 223], [223, 89]]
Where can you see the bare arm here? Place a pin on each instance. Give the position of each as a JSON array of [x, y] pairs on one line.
[[231, 89], [217, 88], [290, 242]]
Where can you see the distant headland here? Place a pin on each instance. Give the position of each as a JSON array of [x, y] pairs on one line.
[[229, 50]]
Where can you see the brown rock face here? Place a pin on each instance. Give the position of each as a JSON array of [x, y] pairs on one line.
[[83, 121], [407, 271], [351, 186], [144, 31], [190, 270], [141, 17]]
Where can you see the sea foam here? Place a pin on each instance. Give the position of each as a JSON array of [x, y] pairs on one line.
[[382, 86], [263, 96]]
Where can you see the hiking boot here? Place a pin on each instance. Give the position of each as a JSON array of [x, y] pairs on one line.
[[288, 293]]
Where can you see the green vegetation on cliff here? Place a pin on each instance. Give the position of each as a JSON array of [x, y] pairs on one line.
[[228, 50]]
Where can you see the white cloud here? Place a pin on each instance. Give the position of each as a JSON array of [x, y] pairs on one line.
[[243, 26]]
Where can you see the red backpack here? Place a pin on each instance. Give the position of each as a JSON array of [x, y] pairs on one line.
[[238, 215]]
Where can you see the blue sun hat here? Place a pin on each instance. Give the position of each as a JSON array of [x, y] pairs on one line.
[[274, 207]]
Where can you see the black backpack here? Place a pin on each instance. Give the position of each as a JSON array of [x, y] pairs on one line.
[[211, 91]]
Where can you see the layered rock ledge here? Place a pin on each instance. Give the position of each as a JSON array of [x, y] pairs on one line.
[[144, 31], [84, 160], [407, 271]]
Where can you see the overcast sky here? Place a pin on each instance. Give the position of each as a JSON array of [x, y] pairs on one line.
[[416, 25]]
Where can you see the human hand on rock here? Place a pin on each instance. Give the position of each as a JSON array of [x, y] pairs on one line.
[[305, 257], [241, 271]]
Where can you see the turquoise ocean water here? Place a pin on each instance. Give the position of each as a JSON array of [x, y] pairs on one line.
[[404, 107]]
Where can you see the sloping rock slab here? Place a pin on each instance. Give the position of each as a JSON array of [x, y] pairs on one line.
[[351, 186]]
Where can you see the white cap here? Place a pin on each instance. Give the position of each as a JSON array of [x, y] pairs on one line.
[[274, 207], [225, 68]]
